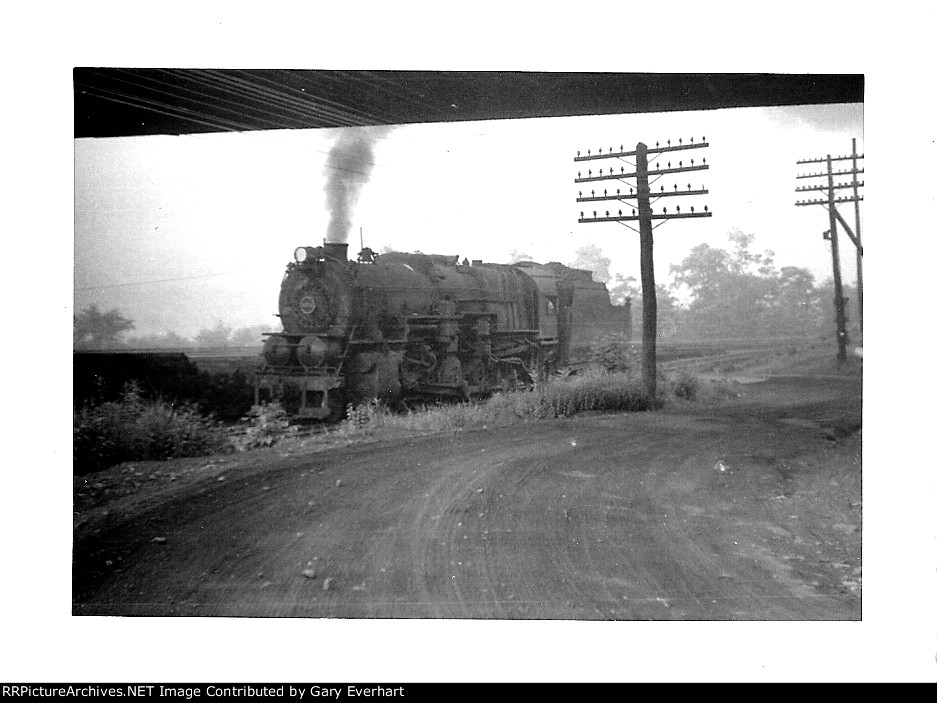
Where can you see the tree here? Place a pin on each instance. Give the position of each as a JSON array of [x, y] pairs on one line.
[[622, 289], [218, 336], [703, 271], [743, 261], [163, 340], [669, 312], [733, 293], [590, 258], [99, 330], [248, 336], [797, 301]]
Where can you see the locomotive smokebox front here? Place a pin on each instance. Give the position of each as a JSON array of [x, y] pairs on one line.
[[316, 294]]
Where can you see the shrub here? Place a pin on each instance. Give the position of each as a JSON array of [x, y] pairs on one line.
[[132, 429], [686, 386], [614, 353], [592, 391], [265, 425], [605, 392]]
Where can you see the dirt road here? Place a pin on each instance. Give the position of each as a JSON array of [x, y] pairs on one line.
[[749, 511]]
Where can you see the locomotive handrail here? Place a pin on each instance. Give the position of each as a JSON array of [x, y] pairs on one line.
[[344, 356]]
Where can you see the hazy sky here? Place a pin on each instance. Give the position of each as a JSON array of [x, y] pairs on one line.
[[179, 232]]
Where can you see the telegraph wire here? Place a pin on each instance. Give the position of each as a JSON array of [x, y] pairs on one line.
[[161, 280]]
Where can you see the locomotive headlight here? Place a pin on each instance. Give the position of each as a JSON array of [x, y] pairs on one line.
[[300, 254]]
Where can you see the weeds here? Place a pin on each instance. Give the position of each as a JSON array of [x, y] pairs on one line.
[[133, 428], [614, 353], [265, 425], [596, 391], [686, 386], [136, 429]]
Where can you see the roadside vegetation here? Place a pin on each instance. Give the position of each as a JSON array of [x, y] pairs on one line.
[[134, 428], [596, 391], [138, 426]]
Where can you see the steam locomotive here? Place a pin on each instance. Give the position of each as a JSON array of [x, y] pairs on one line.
[[396, 325]]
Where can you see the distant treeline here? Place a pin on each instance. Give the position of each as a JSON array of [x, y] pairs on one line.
[[97, 330], [735, 293]]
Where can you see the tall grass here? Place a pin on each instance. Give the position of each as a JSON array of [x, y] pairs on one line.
[[595, 391], [135, 429]]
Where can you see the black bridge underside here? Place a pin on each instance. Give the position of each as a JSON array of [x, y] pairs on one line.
[[121, 102]]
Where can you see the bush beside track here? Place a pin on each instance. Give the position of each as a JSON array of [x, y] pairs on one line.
[[141, 424]]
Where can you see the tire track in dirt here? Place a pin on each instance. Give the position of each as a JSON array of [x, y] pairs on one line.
[[601, 517]]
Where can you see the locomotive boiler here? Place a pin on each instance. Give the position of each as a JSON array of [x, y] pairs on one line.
[[397, 325]]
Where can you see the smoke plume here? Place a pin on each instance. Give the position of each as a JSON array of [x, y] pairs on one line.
[[347, 169]]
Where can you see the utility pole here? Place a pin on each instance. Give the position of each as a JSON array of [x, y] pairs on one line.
[[645, 216], [648, 284], [830, 202], [855, 195]]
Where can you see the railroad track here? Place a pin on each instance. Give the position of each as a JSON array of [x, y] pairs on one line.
[[691, 362]]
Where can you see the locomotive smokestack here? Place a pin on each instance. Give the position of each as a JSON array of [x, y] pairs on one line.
[[347, 169]]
